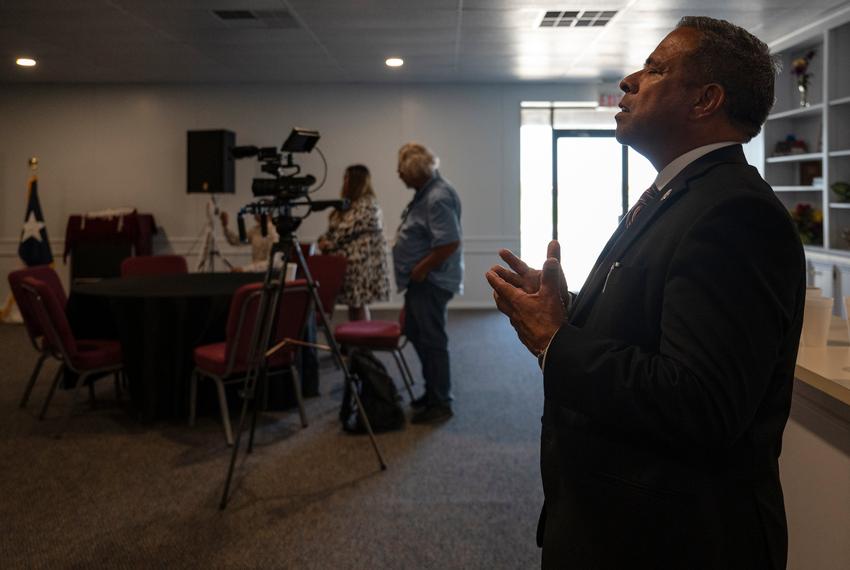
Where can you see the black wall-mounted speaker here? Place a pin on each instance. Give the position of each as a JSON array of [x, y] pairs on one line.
[[209, 166]]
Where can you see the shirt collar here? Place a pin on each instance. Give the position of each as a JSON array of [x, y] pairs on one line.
[[430, 181], [669, 172]]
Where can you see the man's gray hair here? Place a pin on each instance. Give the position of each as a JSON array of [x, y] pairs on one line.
[[734, 58], [417, 161]]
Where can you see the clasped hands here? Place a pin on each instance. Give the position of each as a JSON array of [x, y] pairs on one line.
[[534, 300]]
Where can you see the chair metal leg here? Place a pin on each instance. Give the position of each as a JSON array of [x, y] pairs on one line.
[[296, 384], [406, 367], [56, 379], [398, 360], [80, 381], [225, 415], [193, 396], [32, 379]]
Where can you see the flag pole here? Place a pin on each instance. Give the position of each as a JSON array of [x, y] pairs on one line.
[[9, 311]]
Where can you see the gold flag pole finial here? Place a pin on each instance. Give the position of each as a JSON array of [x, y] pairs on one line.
[[33, 163]]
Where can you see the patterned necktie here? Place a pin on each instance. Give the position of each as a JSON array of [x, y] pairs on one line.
[[648, 196]]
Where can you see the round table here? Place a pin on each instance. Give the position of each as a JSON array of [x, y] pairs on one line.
[[159, 320]]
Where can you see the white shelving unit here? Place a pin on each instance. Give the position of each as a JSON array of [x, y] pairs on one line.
[[824, 126]]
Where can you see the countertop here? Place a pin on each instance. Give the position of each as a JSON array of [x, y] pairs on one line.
[[828, 368]]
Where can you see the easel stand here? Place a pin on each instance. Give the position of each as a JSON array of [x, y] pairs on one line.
[[209, 251], [261, 337]]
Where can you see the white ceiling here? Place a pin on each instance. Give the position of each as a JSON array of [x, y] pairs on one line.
[[348, 41]]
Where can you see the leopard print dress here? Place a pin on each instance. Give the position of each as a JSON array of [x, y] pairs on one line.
[[358, 234]]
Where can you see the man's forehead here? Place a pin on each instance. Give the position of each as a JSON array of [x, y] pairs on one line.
[[676, 43]]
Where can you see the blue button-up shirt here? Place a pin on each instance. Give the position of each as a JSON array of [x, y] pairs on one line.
[[430, 220]]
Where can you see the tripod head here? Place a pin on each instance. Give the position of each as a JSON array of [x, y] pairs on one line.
[[280, 210]]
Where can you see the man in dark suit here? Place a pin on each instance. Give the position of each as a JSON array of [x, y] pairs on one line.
[[668, 379]]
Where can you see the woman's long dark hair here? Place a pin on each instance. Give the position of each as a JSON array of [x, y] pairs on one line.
[[359, 184]]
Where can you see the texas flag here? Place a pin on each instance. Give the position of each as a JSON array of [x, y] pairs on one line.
[[34, 248]]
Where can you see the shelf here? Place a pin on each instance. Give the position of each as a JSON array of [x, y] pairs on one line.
[[800, 112], [840, 205], [841, 101], [795, 157], [835, 153], [797, 188]]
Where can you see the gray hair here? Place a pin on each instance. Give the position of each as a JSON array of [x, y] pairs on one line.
[[734, 58], [417, 161]]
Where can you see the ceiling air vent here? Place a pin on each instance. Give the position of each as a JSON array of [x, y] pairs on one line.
[[576, 18], [235, 14], [258, 19]]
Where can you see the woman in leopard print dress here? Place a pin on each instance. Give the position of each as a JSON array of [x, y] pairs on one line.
[[358, 234]]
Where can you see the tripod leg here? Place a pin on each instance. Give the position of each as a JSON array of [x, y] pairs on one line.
[[365, 419], [264, 386], [311, 284], [224, 496], [259, 343]]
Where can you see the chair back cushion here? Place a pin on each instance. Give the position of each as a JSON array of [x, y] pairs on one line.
[[154, 265], [328, 272], [240, 321], [51, 316], [292, 313], [49, 277], [292, 316]]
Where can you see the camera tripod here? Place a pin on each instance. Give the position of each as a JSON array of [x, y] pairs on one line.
[[209, 250], [265, 323]]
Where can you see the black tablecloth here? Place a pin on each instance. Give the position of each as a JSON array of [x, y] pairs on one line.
[[159, 320]]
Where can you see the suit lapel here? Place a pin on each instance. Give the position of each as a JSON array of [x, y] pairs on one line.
[[623, 238]]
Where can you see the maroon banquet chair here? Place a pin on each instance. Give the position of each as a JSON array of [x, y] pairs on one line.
[[154, 265], [227, 362], [86, 358], [328, 272], [387, 336], [46, 274]]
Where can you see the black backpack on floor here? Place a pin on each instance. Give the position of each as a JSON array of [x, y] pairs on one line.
[[378, 394]]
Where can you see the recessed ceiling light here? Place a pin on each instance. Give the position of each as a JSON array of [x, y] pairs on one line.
[[25, 62], [395, 62]]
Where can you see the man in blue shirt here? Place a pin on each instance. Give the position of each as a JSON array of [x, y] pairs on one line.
[[428, 261]]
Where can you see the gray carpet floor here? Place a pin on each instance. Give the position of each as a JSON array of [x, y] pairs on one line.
[[113, 493]]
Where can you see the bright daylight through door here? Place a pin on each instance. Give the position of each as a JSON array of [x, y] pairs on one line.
[[590, 187]]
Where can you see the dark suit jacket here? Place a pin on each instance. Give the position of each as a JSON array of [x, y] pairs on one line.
[[667, 393]]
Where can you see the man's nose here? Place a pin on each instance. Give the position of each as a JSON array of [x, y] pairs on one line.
[[628, 84]]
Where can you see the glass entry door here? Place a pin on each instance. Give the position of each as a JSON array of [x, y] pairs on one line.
[[589, 196]]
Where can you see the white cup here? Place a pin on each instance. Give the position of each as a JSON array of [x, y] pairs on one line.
[[291, 271], [816, 319]]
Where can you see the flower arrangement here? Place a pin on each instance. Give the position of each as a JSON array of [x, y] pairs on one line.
[[800, 69], [809, 223]]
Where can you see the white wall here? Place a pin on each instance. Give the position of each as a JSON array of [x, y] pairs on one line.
[[125, 145]]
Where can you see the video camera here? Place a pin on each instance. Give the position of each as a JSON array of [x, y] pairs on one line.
[[286, 191], [286, 183]]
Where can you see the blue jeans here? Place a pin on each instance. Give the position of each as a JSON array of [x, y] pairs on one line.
[[425, 326]]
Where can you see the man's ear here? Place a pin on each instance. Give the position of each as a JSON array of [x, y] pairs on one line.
[[710, 101]]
